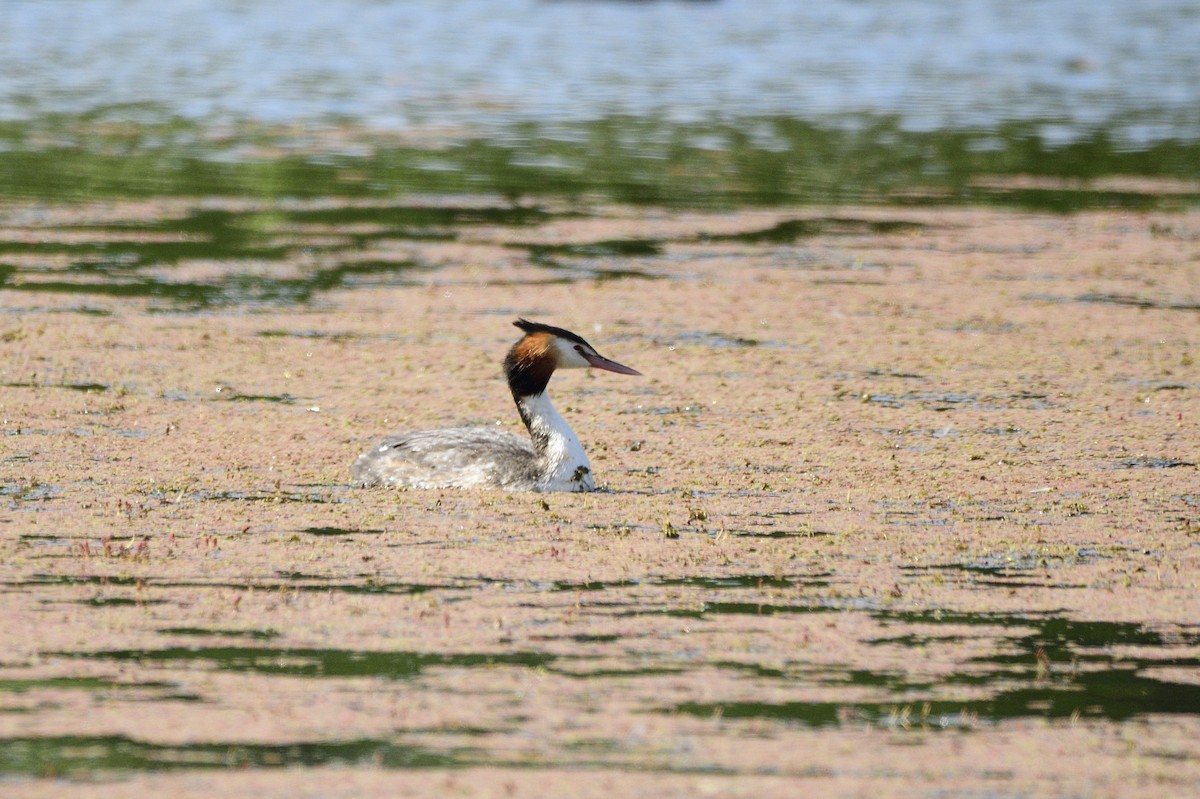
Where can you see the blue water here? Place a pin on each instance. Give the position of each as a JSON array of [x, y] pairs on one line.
[[1130, 67]]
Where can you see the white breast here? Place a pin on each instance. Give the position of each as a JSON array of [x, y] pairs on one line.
[[565, 465]]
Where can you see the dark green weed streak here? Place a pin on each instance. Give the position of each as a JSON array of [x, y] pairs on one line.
[[633, 160]]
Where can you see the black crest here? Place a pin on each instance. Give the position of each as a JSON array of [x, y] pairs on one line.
[[538, 327]]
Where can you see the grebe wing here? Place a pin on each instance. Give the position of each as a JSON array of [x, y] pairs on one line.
[[454, 457]]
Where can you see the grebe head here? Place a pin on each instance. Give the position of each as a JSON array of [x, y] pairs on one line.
[[545, 348]]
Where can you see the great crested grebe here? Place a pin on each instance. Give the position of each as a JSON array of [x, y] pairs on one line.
[[551, 459]]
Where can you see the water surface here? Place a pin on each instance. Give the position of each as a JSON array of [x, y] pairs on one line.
[[723, 103], [450, 62]]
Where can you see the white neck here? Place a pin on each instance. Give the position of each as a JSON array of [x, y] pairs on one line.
[[562, 463]]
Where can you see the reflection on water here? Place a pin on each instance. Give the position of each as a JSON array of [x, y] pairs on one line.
[[755, 656], [716, 104], [86, 756], [1038, 666], [196, 256], [425, 63]]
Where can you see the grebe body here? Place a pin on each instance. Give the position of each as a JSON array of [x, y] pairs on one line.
[[551, 459]]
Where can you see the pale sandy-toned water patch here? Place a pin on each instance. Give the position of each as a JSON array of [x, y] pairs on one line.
[[905, 504]]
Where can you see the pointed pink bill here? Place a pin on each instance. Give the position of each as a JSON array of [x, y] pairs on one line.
[[600, 362]]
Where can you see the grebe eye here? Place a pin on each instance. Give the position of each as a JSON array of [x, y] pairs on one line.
[[579, 348]]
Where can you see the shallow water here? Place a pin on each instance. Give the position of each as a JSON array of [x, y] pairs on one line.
[[712, 104], [893, 512], [975, 671], [400, 65], [203, 257]]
